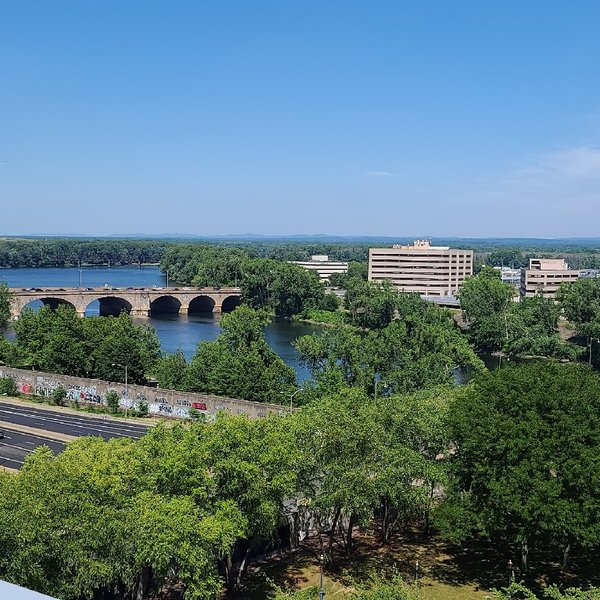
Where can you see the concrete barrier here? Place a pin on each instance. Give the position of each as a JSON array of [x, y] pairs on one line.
[[160, 402]]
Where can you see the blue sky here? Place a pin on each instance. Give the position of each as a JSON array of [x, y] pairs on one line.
[[465, 118]]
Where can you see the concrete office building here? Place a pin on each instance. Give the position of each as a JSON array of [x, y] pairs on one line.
[[436, 271], [322, 266], [544, 276]]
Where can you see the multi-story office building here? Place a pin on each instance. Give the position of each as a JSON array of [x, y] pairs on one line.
[[544, 276], [323, 267], [422, 268]]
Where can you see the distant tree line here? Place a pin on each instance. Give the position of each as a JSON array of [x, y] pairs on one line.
[[72, 252]]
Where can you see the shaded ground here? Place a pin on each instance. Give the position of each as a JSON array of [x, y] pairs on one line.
[[446, 572]]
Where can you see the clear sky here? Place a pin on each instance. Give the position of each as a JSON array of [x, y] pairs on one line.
[[443, 118]]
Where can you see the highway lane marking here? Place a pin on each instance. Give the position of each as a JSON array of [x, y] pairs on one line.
[[41, 414], [19, 447], [40, 421], [81, 422]]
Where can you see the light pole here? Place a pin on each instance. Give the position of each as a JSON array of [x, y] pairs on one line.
[[167, 277], [126, 390], [292, 398], [321, 590], [80, 274]]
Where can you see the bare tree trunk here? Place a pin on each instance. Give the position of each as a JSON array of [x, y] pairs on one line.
[[351, 522], [242, 567], [428, 510], [385, 536], [229, 575], [143, 583], [566, 553], [332, 533], [524, 555]]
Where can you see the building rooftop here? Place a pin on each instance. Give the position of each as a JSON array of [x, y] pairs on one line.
[[15, 592]]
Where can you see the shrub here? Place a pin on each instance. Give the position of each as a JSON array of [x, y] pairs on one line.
[[112, 401], [58, 396], [8, 387]]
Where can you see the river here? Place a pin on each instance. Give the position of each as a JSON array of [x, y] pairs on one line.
[[175, 332]]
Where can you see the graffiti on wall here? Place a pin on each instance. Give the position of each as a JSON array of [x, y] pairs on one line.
[[84, 393]]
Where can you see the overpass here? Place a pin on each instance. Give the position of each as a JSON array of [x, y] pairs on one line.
[[139, 302]]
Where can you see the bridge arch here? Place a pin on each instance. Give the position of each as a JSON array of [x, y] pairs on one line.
[[165, 305], [201, 304], [230, 303], [36, 303], [110, 306]]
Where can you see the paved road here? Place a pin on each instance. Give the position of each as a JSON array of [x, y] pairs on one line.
[[15, 446], [63, 422]]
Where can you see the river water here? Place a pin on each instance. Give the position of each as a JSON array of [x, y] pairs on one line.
[[175, 332]]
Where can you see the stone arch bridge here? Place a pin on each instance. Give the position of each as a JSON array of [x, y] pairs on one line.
[[139, 302]]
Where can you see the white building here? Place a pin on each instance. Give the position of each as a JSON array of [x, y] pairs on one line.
[[322, 266]]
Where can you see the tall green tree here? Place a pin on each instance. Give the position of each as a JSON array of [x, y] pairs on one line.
[[285, 288], [525, 465], [240, 363], [580, 302], [5, 300], [485, 301]]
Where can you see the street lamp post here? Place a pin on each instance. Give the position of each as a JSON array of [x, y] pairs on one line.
[[126, 389], [292, 398], [167, 277], [321, 590]]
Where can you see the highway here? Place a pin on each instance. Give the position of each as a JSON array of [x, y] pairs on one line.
[[68, 423], [16, 445]]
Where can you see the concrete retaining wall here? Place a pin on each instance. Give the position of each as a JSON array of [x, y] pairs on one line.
[[167, 403]]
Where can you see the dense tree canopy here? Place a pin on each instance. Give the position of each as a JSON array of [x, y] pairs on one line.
[[4, 305], [58, 341], [420, 349], [525, 467], [239, 363], [496, 322]]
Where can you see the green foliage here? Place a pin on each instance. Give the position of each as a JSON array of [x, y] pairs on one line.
[[5, 300], [65, 252], [58, 396], [240, 363], [318, 315], [580, 302], [356, 270], [359, 456], [112, 401], [58, 341], [485, 302], [8, 387], [285, 288], [100, 517], [496, 322], [517, 591], [525, 468], [371, 305], [170, 371], [420, 349]]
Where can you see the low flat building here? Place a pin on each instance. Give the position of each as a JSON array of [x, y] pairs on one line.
[[510, 276], [322, 266], [430, 271], [544, 276]]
